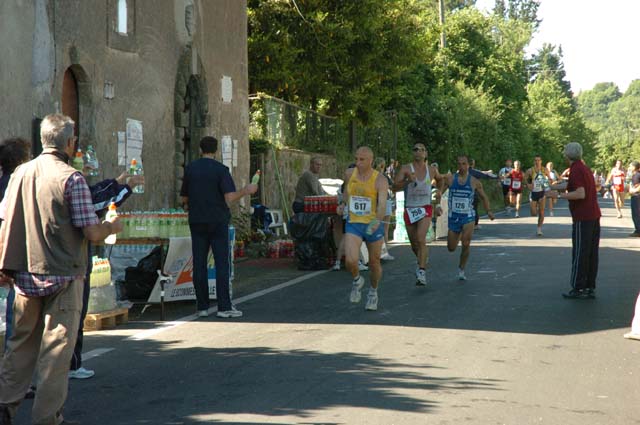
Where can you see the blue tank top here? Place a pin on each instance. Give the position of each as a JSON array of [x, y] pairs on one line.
[[461, 199]]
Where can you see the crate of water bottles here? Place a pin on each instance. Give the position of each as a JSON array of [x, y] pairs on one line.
[[154, 224], [320, 204]]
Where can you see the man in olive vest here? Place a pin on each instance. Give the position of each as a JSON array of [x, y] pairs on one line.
[[48, 217]]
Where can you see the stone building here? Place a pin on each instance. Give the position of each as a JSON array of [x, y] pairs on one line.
[[153, 73]]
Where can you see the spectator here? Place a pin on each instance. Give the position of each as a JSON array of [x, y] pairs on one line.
[[13, 152], [308, 184], [48, 264], [585, 212], [207, 189]]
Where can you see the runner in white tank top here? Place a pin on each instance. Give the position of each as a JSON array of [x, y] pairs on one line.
[[415, 179]]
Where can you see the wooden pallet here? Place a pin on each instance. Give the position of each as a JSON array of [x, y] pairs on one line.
[[106, 319]]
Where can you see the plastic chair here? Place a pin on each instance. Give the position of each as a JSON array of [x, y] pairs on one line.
[[277, 221]]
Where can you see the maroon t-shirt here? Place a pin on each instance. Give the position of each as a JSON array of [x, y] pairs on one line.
[[583, 209]]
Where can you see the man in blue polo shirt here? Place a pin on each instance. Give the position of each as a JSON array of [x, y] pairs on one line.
[[207, 189]]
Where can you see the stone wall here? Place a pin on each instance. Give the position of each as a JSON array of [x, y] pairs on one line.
[[167, 44], [290, 165]]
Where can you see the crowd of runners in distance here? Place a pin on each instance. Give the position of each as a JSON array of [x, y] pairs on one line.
[[366, 200]]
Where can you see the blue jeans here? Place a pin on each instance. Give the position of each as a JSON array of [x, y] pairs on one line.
[[216, 237], [635, 212]]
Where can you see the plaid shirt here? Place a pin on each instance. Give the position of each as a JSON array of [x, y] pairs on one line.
[[78, 196]]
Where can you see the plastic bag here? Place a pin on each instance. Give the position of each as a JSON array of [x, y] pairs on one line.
[[140, 280]]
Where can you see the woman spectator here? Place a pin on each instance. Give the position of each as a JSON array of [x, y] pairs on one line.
[[13, 152]]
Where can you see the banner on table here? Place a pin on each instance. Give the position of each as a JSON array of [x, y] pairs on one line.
[[179, 265]]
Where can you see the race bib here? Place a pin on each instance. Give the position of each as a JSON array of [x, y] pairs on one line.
[[537, 186], [360, 205], [460, 205], [507, 181], [617, 180], [416, 214], [516, 184]]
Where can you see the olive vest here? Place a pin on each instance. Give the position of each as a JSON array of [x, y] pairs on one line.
[[37, 235]]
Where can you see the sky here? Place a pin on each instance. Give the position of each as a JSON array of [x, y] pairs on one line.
[[599, 39]]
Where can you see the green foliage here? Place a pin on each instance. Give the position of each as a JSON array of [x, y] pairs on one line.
[[366, 61], [614, 118]]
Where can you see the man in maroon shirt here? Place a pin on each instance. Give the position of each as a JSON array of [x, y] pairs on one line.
[[580, 191]]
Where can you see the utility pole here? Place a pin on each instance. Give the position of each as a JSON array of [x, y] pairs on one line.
[[443, 37]]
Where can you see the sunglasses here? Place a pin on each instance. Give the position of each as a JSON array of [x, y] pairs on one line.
[[419, 149]]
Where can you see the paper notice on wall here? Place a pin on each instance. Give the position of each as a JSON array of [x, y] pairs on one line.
[[134, 140], [226, 89], [122, 148], [227, 152], [234, 155]]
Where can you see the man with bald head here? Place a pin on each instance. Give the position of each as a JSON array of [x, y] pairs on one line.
[[365, 199]]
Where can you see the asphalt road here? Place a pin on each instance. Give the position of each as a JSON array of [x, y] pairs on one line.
[[501, 348]]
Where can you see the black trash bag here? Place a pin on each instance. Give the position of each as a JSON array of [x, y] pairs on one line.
[[139, 280], [314, 244]]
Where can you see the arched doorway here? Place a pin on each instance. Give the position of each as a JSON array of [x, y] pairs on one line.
[[191, 113]]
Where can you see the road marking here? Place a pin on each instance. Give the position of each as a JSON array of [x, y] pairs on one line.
[[173, 324], [95, 353]]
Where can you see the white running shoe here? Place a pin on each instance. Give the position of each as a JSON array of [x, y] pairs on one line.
[[372, 300], [356, 286], [387, 257], [81, 373], [517, 215], [336, 266], [421, 278], [551, 213], [539, 232], [461, 275], [362, 267], [203, 313]]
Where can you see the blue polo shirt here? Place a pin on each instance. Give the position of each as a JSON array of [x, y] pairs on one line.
[[205, 183]]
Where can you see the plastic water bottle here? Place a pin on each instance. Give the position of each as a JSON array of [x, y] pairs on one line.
[[370, 226], [91, 161], [136, 169], [256, 178], [78, 162], [111, 215]]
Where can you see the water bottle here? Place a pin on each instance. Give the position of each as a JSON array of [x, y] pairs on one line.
[[78, 162], [136, 169], [91, 161], [111, 216], [370, 226], [256, 178]]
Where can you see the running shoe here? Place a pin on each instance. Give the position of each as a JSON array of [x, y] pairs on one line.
[[81, 373], [539, 232], [203, 313], [591, 293], [387, 257], [336, 266], [372, 300], [619, 215], [362, 267], [517, 215], [634, 235], [461, 275], [356, 286], [421, 278], [551, 213]]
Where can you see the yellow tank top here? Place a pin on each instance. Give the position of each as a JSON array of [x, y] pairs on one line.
[[363, 198]]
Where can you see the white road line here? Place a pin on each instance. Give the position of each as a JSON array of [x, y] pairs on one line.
[[170, 325], [95, 353]]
